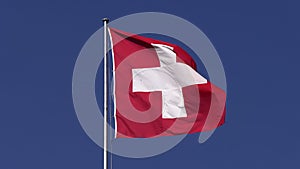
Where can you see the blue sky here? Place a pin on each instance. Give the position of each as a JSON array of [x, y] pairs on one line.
[[258, 42]]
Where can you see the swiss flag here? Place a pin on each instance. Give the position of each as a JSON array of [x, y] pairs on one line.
[[158, 92]]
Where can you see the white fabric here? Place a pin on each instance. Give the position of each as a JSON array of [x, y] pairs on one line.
[[169, 78]]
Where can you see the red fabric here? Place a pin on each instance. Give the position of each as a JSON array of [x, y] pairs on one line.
[[138, 114]]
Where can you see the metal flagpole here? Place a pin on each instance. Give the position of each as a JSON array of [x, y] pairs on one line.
[[105, 21]]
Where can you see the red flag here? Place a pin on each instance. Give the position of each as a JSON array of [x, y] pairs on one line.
[[157, 91]]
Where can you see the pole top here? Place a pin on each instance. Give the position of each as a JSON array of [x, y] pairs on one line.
[[105, 20]]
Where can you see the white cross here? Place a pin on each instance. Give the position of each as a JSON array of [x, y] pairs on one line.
[[169, 78]]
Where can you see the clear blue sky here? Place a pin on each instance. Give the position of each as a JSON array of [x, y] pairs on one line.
[[258, 42]]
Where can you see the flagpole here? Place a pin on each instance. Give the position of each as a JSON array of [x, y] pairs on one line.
[[105, 21]]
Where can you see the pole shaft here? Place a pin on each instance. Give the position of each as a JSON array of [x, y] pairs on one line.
[[105, 20]]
